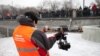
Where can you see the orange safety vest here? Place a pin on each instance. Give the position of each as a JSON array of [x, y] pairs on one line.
[[22, 38]]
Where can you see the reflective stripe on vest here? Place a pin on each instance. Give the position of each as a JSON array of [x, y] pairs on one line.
[[22, 38], [27, 49]]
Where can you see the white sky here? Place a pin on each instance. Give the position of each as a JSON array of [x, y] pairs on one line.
[[35, 3]]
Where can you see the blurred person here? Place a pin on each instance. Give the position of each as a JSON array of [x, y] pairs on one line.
[[94, 9], [32, 42], [86, 11], [79, 12]]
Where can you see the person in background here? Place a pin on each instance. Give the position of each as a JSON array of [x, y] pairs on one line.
[[32, 42], [94, 9]]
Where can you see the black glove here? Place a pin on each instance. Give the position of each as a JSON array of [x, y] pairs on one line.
[[59, 35]]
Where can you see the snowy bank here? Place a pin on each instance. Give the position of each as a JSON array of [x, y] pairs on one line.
[[79, 47]]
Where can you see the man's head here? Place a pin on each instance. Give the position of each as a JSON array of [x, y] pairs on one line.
[[32, 16], [29, 18]]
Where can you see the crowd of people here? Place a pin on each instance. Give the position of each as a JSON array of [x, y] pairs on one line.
[[86, 11], [93, 10]]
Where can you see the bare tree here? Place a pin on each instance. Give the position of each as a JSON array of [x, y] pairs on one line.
[[54, 5], [49, 5], [98, 2], [66, 5], [43, 5]]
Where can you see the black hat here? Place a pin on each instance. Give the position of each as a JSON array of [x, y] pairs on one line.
[[32, 16]]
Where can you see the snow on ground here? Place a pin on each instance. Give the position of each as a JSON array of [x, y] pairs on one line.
[[79, 47], [7, 47]]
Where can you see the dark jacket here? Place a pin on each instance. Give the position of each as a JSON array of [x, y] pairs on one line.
[[38, 36]]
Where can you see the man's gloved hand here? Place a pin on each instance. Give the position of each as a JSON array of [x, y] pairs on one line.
[[59, 35]]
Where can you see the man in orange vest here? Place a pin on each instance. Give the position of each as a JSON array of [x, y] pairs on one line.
[[30, 41]]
